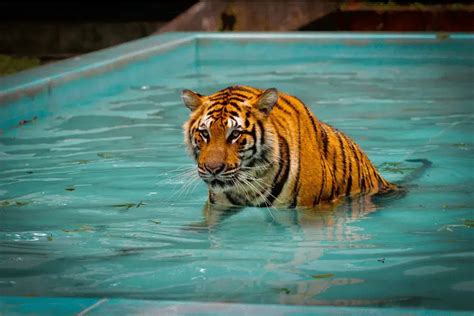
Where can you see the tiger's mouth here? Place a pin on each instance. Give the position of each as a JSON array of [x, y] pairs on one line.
[[220, 182]]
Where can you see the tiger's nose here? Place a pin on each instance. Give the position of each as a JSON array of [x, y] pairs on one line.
[[215, 167]]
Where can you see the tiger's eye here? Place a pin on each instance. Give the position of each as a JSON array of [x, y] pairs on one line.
[[235, 133], [204, 133]]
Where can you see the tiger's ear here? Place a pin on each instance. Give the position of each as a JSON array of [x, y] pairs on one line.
[[191, 99], [267, 100]]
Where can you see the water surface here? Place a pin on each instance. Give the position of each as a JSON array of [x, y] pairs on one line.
[[97, 201]]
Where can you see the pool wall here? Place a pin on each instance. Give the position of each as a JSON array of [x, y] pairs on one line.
[[39, 92]]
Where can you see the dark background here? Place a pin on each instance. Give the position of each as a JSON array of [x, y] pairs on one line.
[[36, 32]]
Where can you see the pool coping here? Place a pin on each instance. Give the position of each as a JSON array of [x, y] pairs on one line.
[[14, 305], [35, 80]]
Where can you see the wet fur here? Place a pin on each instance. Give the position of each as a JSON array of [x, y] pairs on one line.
[[284, 157]]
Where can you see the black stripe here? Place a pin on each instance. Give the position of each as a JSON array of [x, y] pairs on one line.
[[237, 98], [221, 95], [362, 185], [251, 133], [237, 107], [334, 178], [252, 92], [293, 202], [313, 123], [262, 133], [253, 148], [373, 172], [247, 122], [296, 187], [282, 174], [317, 198], [344, 162], [233, 113], [325, 140], [213, 111], [349, 183], [211, 198], [289, 103], [232, 199], [279, 107], [221, 92], [217, 103], [240, 95], [366, 179], [357, 160]]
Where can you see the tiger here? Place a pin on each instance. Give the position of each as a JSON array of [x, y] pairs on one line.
[[265, 148]]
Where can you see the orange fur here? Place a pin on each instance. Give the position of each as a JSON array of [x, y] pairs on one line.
[[283, 155]]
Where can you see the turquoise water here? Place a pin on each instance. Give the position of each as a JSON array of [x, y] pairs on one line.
[[96, 201]]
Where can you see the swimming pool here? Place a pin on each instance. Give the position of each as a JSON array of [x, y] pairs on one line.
[[97, 210]]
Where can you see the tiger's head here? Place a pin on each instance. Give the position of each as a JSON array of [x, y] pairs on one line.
[[228, 135]]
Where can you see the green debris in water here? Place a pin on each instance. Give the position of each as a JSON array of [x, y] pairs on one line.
[[283, 289], [323, 276], [469, 222], [105, 155], [7, 203], [155, 221], [128, 206], [80, 162], [50, 237], [462, 146], [125, 205], [70, 189], [83, 228]]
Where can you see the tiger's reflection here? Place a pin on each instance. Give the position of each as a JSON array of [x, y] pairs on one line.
[[322, 224]]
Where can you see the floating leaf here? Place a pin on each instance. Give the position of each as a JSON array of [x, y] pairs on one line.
[[7, 203], [129, 205], [50, 238], [105, 155], [469, 222], [81, 162], [23, 122], [83, 228], [125, 205], [283, 289], [70, 189], [323, 276]]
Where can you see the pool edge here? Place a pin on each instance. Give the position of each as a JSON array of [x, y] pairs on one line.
[[15, 305]]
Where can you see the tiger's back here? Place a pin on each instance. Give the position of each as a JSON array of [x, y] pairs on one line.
[[298, 161]]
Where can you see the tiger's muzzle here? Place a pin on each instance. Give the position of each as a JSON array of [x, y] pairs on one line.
[[217, 174]]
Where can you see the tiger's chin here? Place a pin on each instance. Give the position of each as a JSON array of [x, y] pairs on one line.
[[219, 185], [224, 184]]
